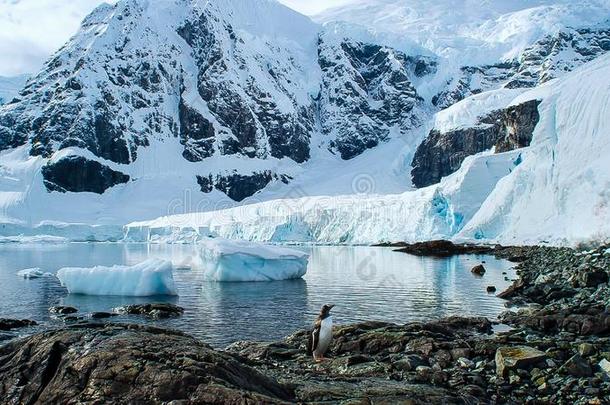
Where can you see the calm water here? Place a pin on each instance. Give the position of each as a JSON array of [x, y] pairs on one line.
[[364, 283]]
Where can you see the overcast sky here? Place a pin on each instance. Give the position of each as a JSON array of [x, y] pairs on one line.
[[30, 30]]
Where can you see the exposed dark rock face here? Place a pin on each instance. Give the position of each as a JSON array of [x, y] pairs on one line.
[[441, 154], [251, 122], [114, 97], [196, 134], [517, 126], [127, 364], [77, 174], [88, 99], [559, 53], [12, 133], [237, 186], [365, 93]]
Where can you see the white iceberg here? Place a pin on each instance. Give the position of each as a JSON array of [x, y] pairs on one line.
[[33, 273], [151, 277], [228, 260]]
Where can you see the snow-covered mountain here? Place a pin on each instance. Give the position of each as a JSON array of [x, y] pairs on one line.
[[556, 190], [469, 32], [172, 106]]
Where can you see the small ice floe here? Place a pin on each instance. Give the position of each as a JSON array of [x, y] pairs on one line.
[[152, 277], [228, 260], [33, 273]]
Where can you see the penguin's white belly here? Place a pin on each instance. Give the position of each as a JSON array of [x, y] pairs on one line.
[[326, 336]]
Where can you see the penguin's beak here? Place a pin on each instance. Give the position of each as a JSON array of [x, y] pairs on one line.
[[330, 307]]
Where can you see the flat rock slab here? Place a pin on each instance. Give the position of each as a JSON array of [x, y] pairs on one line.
[[509, 358], [127, 364]]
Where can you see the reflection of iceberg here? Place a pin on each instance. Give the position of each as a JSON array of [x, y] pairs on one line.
[[91, 303], [252, 311], [152, 277], [246, 261]]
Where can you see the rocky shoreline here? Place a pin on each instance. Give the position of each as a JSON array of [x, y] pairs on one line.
[[556, 351]]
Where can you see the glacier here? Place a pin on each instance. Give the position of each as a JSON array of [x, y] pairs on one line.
[[432, 212], [561, 191], [555, 191], [240, 261], [149, 278]]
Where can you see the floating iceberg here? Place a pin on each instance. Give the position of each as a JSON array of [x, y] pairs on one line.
[[226, 260], [152, 277], [33, 273]]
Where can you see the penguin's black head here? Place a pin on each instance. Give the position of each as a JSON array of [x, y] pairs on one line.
[[326, 309]]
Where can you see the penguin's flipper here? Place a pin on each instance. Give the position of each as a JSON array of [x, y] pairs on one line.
[[314, 337], [310, 343]]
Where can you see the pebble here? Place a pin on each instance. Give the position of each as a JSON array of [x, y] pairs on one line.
[[465, 363], [586, 349]]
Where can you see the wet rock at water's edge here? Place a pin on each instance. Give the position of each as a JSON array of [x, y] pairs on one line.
[[154, 311]]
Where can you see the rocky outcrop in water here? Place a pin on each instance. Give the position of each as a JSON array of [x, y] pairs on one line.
[[153, 311], [443, 248], [78, 174], [9, 324], [442, 153]]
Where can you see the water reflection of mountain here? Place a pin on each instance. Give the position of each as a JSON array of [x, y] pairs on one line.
[[260, 311]]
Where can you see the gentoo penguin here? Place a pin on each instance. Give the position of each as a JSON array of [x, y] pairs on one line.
[[322, 334]]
